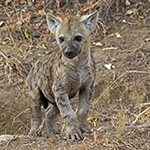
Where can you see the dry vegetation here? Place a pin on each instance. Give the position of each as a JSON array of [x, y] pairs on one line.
[[120, 108]]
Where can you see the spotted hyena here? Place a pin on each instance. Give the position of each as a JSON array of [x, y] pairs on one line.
[[62, 73]]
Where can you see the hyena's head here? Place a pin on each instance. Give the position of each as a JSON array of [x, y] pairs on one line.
[[72, 32]]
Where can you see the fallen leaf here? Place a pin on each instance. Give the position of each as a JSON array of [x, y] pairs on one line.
[[27, 35], [115, 34], [147, 40], [2, 103], [118, 35], [1, 23], [128, 3], [47, 30], [99, 44], [109, 48], [42, 12], [112, 34], [139, 18], [109, 66], [118, 63], [131, 11], [43, 46]]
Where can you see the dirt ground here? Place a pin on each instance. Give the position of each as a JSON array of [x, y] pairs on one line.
[[120, 107]]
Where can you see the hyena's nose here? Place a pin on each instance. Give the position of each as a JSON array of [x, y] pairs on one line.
[[69, 53]]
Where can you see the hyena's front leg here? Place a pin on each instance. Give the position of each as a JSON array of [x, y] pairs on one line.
[[69, 117], [50, 116], [36, 116], [84, 104]]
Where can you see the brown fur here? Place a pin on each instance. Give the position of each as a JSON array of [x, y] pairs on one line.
[[55, 78]]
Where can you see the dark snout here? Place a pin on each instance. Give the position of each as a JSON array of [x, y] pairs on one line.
[[70, 53]]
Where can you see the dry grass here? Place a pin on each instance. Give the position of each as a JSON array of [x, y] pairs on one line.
[[120, 107]]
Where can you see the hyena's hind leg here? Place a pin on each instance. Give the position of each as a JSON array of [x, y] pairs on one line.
[[36, 116], [50, 115]]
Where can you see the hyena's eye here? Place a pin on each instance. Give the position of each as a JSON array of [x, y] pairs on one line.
[[61, 39], [78, 38]]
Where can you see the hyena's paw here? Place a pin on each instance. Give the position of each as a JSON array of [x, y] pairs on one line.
[[31, 133], [84, 128], [73, 133], [34, 133], [51, 131]]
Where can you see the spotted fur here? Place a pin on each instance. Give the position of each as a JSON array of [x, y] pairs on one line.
[[57, 77]]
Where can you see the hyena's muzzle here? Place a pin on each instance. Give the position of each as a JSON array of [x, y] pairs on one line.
[[72, 48]]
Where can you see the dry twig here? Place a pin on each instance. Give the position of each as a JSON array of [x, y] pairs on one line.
[[138, 116], [19, 115]]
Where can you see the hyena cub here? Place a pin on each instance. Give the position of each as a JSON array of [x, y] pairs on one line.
[[59, 75]]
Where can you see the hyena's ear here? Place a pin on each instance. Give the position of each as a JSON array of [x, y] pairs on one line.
[[53, 22], [90, 21]]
